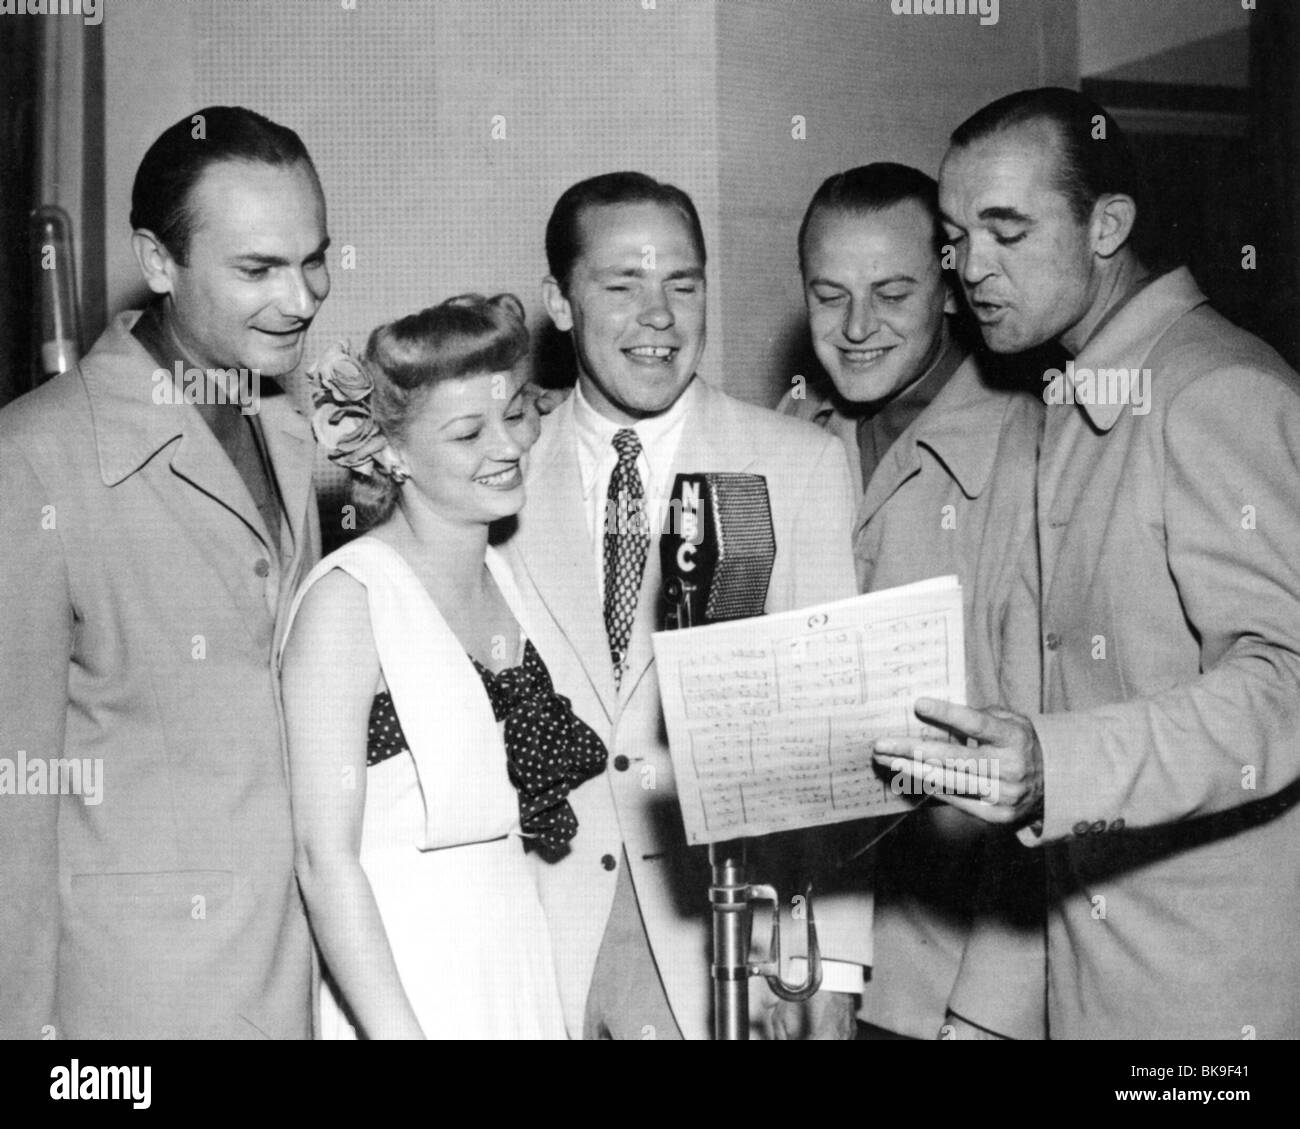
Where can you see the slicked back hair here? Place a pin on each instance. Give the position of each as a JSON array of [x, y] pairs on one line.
[[564, 228], [1094, 158], [162, 195], [873, 188]]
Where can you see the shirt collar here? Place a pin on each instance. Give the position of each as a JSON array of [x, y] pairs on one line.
[[659, 437]]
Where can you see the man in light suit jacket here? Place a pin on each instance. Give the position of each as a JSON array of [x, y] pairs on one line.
[[1162, 779], [946, 461], [628, 907], [156, 513]]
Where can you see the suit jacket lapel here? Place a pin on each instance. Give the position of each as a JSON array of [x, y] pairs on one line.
[[960, 428], [131, 428], [292, 451], [130, 425], [557, 555], [899, 464], [200, 460]]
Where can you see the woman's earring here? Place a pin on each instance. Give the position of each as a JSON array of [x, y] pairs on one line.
[[393, 465]]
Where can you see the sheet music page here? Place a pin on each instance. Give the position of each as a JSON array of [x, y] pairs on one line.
[[770, 719]]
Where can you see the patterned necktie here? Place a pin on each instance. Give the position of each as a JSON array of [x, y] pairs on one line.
[[627, 540]]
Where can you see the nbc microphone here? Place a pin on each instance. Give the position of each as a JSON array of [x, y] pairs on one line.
[[717, 554], [718, 548]]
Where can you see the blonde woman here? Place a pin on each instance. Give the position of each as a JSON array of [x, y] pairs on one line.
[[427, 746]]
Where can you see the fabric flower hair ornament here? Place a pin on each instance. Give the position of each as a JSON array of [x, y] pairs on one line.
[[342, 422]]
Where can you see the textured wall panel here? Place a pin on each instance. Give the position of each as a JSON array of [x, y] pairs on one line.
[[399, 101]]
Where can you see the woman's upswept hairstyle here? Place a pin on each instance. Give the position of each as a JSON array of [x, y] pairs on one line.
[[463, 336]]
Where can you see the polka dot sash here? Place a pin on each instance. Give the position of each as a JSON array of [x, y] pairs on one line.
[[549, 750]]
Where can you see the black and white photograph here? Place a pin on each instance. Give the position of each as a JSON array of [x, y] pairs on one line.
[[654, 520]]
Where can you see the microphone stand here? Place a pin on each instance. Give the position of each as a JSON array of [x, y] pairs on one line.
[[731, 897], [732, 924]]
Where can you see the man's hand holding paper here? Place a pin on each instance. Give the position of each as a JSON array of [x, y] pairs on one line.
[[999, 779]]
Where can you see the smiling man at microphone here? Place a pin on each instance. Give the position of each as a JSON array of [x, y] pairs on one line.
[[629, 907]]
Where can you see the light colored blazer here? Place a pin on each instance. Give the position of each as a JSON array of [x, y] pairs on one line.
[[633, 805], [959, 906], [1171, 615], [137, 627]]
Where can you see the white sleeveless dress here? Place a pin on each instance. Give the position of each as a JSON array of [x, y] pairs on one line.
[[440, 840]]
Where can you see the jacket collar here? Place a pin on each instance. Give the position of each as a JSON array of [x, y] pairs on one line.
[[131, 427], [960, 428], [1129, 337]]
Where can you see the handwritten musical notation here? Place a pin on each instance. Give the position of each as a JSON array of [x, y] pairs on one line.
[[770, 720]]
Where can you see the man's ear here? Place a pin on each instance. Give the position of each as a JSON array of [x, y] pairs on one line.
[[156, 262], [557, 305], [1113, 217]]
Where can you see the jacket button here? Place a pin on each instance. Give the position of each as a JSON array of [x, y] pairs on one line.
[[608, 862], [1052, 640], [262, 567], [1082, 827], [621, 762], [1117, 824], [1099, 827]]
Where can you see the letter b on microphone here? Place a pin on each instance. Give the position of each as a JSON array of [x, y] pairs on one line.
[[718, 549]]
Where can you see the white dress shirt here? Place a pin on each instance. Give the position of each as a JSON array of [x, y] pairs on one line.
[[660, 437]]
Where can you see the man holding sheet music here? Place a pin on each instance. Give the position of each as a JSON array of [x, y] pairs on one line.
[[945, 465], [1161, 782]]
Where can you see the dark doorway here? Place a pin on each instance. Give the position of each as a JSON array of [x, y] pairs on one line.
[[19, 91], [1207, 197]]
